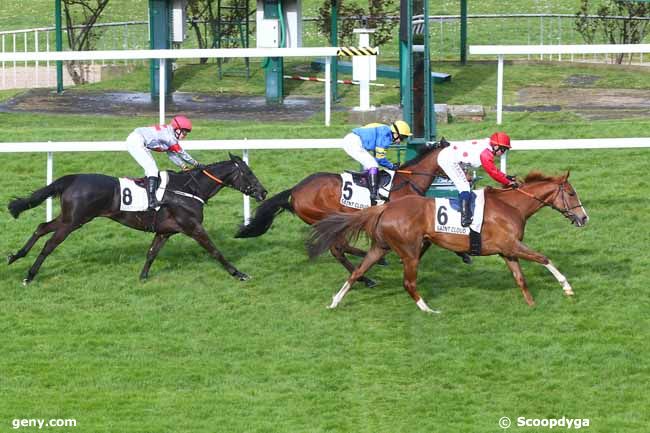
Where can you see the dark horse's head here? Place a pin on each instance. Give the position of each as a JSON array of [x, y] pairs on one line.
[[238, 175]]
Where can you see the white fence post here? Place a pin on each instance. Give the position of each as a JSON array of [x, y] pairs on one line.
[[162, 64], [328, 88], [48, 176], [247, 199], [500, 90]]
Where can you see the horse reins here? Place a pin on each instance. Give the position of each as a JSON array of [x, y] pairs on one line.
[[408, 182], [412, 173], [566, 211], [213, 177]]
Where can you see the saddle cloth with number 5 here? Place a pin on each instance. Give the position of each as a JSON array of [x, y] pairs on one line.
[[133, 197], [358, 197], [448, 215]]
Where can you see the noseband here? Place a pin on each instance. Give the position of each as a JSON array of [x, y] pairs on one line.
[[248, 190], [566, 212]]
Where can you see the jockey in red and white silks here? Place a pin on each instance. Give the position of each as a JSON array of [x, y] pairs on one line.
[[160, 138], [475, 153]]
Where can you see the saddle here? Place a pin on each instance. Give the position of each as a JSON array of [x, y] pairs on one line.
[[141, 181], [360, 178]]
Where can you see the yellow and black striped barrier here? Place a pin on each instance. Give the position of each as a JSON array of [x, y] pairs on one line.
[[357, 51]]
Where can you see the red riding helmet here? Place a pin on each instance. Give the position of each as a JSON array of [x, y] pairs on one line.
[[181, 122], [500, 139]]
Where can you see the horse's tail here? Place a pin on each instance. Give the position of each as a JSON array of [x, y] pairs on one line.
[[339, 227], [18, 205], [265, 214]]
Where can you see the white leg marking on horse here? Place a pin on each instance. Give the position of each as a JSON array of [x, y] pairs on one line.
[[424, 307], [337, 298], [561, 279]]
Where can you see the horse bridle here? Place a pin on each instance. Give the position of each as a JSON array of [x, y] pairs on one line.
[[566, 212]]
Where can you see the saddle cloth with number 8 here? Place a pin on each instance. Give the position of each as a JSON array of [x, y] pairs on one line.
[[133, 197]]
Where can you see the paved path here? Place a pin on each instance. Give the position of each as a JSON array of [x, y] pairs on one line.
[[193, 105]]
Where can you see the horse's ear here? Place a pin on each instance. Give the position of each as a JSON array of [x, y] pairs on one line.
[[234, 158], [568, 172]]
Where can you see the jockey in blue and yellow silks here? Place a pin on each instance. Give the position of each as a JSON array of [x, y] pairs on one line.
[[368, 146]]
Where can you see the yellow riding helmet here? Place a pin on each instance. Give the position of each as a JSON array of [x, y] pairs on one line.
[[401, 128]]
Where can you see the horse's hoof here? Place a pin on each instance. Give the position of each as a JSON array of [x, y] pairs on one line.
[[26, 281], [143, 278], [382, 262], [241, 276], [369, 282], [10, 259], [467, 259]]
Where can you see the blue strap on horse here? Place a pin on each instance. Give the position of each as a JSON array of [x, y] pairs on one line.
[[455, 202], [474, 237]]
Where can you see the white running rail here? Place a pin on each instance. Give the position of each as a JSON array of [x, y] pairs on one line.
[[283, 144]]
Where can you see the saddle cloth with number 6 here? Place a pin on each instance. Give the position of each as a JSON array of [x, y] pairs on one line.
[[133, 197], [448, 215]]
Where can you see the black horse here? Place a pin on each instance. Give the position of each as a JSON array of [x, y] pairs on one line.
[[87, 196]]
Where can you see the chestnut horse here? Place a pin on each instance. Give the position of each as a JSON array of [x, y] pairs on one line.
[[87, 196], [407, 227], [319, 195]]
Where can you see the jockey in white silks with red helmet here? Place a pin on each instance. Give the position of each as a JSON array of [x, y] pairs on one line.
[[475, 153], [368, 146], [160, 138]]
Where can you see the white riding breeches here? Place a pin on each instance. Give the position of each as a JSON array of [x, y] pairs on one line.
[[453, 170], [353, 147], [142, 155]]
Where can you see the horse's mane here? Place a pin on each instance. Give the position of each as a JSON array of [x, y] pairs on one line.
[[538, 176], [423, 151]]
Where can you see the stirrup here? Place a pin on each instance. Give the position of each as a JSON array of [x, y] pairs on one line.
[[154, 204]]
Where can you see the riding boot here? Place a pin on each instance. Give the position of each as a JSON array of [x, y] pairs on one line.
[[152, 186], [465, 209], [373, 185]]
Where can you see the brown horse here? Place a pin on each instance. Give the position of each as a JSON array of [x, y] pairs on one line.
[[319, 196], [407, 227]]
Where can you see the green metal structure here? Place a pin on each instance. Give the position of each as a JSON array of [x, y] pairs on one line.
[[230, 29], [463, 32], [416, 92], [59, 45], [334, 41], [274, 66], [160, 25]]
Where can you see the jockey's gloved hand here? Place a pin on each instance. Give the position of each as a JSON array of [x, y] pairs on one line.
[[513, 185], [200, 166], [394, 167], [512, 178]]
